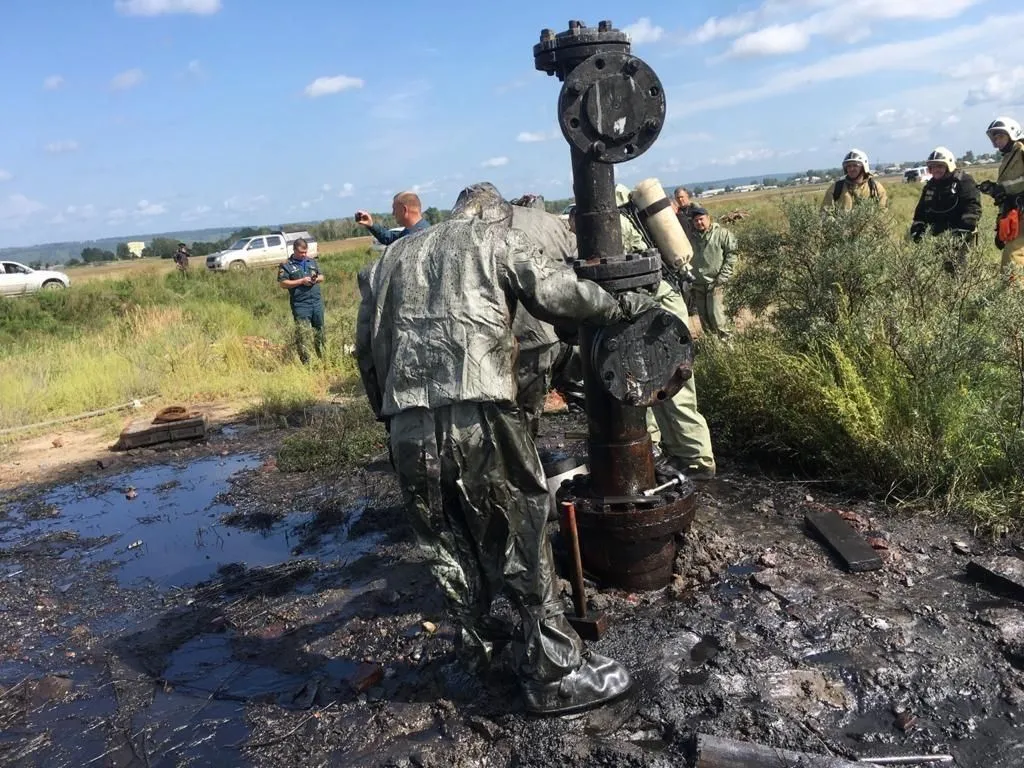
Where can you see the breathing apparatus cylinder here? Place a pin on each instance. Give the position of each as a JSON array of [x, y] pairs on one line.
[[659, 219]]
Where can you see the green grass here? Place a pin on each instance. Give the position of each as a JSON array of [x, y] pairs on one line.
[[872, 367], [200, 337]]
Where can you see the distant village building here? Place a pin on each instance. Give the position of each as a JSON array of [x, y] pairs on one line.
[[135, 248]]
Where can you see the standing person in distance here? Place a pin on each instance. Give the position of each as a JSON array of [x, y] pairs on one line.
[[1008, 191], [408, 212], [858, 185], [950, 205], [301, 277]]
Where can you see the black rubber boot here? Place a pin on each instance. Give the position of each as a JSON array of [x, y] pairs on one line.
[[599, 680]]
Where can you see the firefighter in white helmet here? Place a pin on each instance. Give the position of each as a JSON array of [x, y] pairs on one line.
[[857, 186], [1008, 191], [950, 206]]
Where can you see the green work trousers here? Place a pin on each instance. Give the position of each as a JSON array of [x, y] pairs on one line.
[[708, 302], [676, 425], [478, 501]]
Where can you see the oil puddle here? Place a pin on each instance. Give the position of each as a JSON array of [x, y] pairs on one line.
[[159, 524]]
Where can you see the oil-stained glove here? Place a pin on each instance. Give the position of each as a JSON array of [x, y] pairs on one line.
[[917, 230], [996, 191], [634, 303]]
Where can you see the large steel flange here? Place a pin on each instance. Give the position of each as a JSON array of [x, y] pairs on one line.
[[612, 107]]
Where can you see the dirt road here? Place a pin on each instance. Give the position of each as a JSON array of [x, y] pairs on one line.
[[199, 607]]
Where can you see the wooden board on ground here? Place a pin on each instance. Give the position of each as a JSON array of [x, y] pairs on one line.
[[143, 432], [713, 752], [1004, 574], [857, 555]]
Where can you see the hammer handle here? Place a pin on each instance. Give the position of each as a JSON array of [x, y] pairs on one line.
[[579, 598]]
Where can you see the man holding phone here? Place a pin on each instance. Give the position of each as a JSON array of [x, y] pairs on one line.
[[301, 277], [408, 212]]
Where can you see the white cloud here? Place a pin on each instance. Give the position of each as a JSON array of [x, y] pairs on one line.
[[1001, 88], [53, 82], [924, 54], [5, 175], [950, 120], [15, 209], [87, 211], [239, 204], [425, 187], [771, 41], [347, 190], [116, 214], [195, 70], [325, 188], [195, 213], [754, 153], [324, 86], [642, 31], [146, 208], [844, 20], [161, 7], [494, 162], [128, 79], [60, 147], [528, 137], [979, 66], [728, 26]]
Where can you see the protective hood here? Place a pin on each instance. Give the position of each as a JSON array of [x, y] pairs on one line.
[[481, 201]]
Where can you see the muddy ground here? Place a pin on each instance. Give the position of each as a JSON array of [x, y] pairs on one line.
[[196, 606]]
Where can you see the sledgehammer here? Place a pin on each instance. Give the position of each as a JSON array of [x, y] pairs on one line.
[[589, 627]]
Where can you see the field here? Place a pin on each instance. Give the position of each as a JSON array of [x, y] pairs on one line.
[[137, 329], [108, 270]]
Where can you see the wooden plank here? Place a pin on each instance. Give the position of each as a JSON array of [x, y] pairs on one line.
[[714, 752], [1004, 574], [143, 432], [856, 554]]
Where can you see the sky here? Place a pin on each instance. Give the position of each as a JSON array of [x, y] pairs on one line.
[[143, 116]]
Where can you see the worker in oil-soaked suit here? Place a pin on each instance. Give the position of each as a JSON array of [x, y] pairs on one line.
[[437, 359], [545, 360]]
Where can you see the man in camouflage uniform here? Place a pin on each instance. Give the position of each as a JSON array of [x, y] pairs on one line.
[[437, 359], [679, 431], [715, 252]]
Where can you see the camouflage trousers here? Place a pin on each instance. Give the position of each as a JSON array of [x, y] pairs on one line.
[[478, 502], [307, 318]]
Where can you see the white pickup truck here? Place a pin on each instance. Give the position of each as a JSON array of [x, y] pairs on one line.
[[258, 251]]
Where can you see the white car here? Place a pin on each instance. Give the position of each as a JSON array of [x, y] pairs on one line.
[[259, 251], [17, 279]]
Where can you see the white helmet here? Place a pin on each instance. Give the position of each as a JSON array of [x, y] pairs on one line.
[[856, 156], [1007, 125], [944, 156]]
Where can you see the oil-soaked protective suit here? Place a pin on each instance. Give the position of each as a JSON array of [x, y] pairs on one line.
[[544, 359], [437, 358]]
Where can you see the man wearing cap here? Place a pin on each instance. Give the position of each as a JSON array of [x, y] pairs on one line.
[[715, 252], [857, 186]]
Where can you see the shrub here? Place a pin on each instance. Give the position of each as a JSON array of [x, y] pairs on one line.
[[873, 366]]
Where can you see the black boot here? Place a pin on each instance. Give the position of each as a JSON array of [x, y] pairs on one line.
[[598, 680]]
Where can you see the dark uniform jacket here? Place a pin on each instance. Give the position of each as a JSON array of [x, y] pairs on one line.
[[952, 202], [301, 295]]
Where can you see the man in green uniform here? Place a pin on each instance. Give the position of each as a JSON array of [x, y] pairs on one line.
[[714, 258], [680, 433], [301, 277]]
